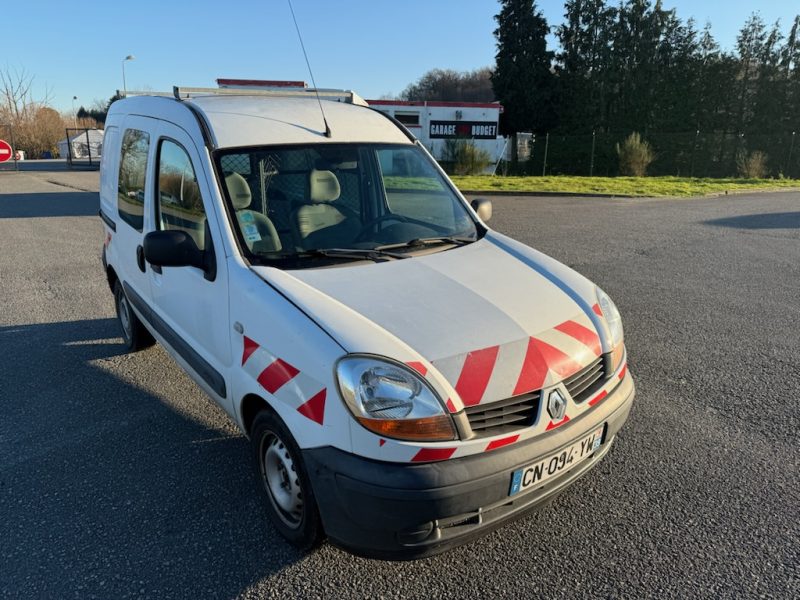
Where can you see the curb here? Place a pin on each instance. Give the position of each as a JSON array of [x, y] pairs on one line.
[[630, 196], [556, 194]]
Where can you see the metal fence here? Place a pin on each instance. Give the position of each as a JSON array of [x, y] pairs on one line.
[[82, 147], [682, 154]]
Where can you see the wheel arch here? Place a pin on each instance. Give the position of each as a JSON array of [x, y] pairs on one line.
[[111, 276], [250, 406]]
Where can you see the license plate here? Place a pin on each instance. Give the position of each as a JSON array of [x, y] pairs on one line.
[[541, 471]]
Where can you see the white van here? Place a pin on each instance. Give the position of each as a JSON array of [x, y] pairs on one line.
[[408, 378]]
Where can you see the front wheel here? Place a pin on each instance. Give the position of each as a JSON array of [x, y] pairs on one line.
[[291, 505]]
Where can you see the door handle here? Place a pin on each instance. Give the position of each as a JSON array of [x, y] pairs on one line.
[[141, 261], [140, 258]]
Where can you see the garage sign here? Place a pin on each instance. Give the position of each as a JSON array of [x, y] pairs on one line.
[[5, 151], [479, 130]]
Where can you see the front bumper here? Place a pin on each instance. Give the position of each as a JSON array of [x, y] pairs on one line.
[[405, 511]]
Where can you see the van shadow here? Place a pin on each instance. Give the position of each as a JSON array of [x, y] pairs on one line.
[[50, 204], [782, 220], [108, 490]]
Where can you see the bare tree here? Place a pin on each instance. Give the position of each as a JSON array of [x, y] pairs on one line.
[[37, 127], [16, 93]]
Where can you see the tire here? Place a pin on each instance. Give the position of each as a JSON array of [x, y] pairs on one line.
[[134, 335], [279, 466]]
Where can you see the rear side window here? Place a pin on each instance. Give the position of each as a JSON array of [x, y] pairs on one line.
[[179, 203], [132, 172]]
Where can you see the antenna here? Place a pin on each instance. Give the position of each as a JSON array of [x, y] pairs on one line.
[[308, 64]]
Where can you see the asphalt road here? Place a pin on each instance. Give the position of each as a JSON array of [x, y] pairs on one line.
[[119, 479]]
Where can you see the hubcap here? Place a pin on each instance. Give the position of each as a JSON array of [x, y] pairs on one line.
[[281, 480], [124, 316]]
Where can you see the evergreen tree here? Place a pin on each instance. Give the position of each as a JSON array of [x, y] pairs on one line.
[[750, 43], [790, 65], [769, 96], [585, 39], [523, 80]]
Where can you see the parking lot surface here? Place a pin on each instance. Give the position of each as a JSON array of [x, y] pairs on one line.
[[118, 478]]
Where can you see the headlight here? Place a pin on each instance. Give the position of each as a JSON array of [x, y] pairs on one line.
[[614, 322], [392, 401]]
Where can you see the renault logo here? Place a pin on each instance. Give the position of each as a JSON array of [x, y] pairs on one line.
[[556, 405]]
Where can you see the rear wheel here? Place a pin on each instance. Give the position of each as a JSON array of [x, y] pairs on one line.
[[291, 505], [134, 335]]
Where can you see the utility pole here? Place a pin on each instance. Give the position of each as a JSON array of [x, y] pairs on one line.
[[125, 85]]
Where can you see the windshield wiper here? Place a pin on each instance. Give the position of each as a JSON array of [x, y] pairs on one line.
[[374, 254], [428, 241]]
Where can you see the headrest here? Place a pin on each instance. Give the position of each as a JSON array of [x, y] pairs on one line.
[[239, 191], [324, 186]]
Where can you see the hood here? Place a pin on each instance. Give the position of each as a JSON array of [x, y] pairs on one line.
[[491, 317]]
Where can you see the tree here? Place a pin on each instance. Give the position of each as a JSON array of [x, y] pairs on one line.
[[37, 128], [449, 85], [582, 68], [99, 109], [750, 44], [523, 80], [42, 133], [635, 155]]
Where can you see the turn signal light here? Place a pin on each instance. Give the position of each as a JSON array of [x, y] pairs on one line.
[[617, 355], [427, 429]]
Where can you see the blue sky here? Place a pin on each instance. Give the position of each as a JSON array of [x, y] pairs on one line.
[[374, 47]]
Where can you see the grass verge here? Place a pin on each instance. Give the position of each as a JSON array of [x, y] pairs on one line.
[[624, 186]]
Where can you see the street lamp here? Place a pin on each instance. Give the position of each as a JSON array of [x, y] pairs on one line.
[[124, 85], [74, 114]]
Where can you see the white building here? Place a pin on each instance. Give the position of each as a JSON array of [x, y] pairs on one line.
[[433, 123]]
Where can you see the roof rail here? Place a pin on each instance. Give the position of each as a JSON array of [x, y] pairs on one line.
[[326, 94], [182, 93], [128, 93]]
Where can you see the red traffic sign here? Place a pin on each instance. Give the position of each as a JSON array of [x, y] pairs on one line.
[[5, 151]]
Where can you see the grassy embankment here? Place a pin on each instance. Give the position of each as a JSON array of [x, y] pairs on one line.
[[624, 186]]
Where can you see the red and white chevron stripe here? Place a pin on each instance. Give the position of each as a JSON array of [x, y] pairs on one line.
[[285, 382], [521, 366]]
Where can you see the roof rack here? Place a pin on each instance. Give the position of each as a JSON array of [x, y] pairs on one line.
[[181, 93]]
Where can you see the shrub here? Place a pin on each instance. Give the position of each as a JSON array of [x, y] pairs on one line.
[[635, 155], [753, 165], [464, 158]]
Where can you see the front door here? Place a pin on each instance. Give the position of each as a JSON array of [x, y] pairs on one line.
[[190, 306]]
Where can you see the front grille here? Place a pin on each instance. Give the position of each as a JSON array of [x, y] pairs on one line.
[[586, 381], [504, 415]]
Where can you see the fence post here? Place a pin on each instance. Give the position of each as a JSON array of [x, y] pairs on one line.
[[591, 160], [546, 145], [89, 148], [694, 150], [789, 159]]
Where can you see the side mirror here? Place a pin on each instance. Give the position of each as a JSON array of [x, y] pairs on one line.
[[483, 207], [173, 249]]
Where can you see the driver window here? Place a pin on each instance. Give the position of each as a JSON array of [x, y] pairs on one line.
[[414, 189], [179, 205]]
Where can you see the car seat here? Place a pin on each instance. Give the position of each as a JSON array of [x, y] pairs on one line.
[[320, 224], [242, 197]]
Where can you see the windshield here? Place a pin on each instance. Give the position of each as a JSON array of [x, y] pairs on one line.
[[299, 202]]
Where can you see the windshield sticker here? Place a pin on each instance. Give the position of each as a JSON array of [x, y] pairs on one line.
[[251, 233], [246, 217]]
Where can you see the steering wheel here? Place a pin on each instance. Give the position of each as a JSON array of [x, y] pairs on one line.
[[368, 226]]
